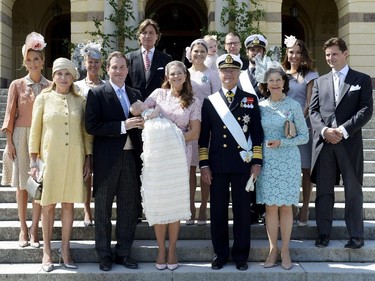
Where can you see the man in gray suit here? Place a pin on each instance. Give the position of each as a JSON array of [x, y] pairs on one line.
[[341, 104]]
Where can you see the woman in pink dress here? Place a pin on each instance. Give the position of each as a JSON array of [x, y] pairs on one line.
[[177, 103], [21, 95], [205, 81]]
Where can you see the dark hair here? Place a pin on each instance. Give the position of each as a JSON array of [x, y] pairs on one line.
[[143, 26], [115, 54], [263, 86], [306, 64], [186, 93], [335, 41], [234, 34]]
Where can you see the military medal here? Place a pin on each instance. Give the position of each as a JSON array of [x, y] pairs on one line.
[[246, 120]]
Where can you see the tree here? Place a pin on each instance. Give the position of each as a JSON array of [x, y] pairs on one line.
[[240, 19], [123, 11]]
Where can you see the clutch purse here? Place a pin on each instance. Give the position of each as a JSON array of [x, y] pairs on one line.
[[34, 188], [289, 129]]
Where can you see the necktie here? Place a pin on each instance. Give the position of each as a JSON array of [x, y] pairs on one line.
[[336, 84], [147, 60], [229, 95], [124, 104]]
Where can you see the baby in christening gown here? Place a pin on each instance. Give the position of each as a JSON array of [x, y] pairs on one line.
[[164, 166]]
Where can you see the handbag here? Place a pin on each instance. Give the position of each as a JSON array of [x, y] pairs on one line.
[[289, 129], [34, 188]]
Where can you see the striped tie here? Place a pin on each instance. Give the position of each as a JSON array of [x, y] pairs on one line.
[[147, 60]]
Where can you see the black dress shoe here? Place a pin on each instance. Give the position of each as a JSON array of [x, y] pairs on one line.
[[355, 243], [128, 262], [241, 265], [322, 241], [105, 264], [216, 264]]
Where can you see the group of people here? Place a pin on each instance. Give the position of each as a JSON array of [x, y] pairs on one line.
[[225, 115]]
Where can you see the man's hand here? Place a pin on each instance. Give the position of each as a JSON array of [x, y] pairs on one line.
[[206, 175], [255, 171], [333, 135], [134, 122]]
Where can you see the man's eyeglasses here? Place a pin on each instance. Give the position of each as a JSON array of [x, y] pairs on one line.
[[232, 43]]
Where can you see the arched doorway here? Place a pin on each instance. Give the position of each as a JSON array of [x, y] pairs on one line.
[[180, 23]]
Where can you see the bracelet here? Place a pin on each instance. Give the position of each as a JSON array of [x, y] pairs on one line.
[[33, 164]]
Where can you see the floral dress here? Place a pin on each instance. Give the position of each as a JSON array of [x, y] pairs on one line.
[[280, 179]]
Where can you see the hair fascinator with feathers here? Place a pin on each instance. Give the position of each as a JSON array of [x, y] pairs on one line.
[[267, 62], [34, 41], [91, 49], [290, 41]]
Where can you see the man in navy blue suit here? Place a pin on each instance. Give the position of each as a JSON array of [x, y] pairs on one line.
[[230, 151]]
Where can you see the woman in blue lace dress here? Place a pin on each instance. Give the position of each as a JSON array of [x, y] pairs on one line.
[[279, 182]]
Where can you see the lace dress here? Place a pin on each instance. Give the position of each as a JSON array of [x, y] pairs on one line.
[[166, 159], [280, 179]]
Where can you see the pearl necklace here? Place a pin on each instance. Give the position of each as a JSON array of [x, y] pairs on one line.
[[276, 105]]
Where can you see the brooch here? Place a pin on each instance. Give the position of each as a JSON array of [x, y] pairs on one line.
[[246, 120], [247, 102], [205, 79]]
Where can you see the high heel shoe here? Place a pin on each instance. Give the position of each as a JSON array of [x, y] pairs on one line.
[[160, 266], [66, 265], [88, 223], [33, 244], [172, 266], [22, 242], [47, 267], [270, 261], [287, 265]]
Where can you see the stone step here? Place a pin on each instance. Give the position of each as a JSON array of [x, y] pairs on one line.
[[8, 194], [9, 212], [9, 231], [197, 271], [193, 251]]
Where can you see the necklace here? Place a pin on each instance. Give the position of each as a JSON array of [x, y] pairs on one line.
[[275, 105]]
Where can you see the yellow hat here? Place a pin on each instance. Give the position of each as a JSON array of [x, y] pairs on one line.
[[63, 63]]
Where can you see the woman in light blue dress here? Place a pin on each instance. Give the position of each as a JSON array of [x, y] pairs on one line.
[[279, 182], [299, 67]]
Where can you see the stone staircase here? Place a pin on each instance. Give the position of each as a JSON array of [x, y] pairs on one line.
[[194, 247]]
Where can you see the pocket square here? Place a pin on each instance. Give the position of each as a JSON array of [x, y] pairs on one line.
[[354, 88], [160, 68]]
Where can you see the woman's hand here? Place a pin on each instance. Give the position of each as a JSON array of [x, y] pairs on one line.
[[11, 151], [34, 173], [87, 168], [273, 143]]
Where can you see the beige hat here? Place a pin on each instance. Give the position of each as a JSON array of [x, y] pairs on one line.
[[63, 63]]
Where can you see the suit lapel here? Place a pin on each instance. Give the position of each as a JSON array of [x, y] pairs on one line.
[[140, 67], [154, 66], [344, 89], [110, 92]]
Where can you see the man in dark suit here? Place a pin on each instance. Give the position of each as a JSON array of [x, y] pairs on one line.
[[146, 68], [341, 105], [147, 65], [232, 45], [116, 155], [230, 151]]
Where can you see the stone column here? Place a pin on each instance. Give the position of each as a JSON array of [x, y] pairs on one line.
[[108, 26]]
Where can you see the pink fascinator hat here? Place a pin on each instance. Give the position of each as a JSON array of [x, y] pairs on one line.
[[33, 41]]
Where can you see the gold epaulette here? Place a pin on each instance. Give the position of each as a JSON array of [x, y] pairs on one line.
[[257, 150], [203, 153]]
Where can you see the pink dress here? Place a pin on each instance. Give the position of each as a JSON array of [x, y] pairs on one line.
[[204, 84], [171, 109], [165, 192]]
